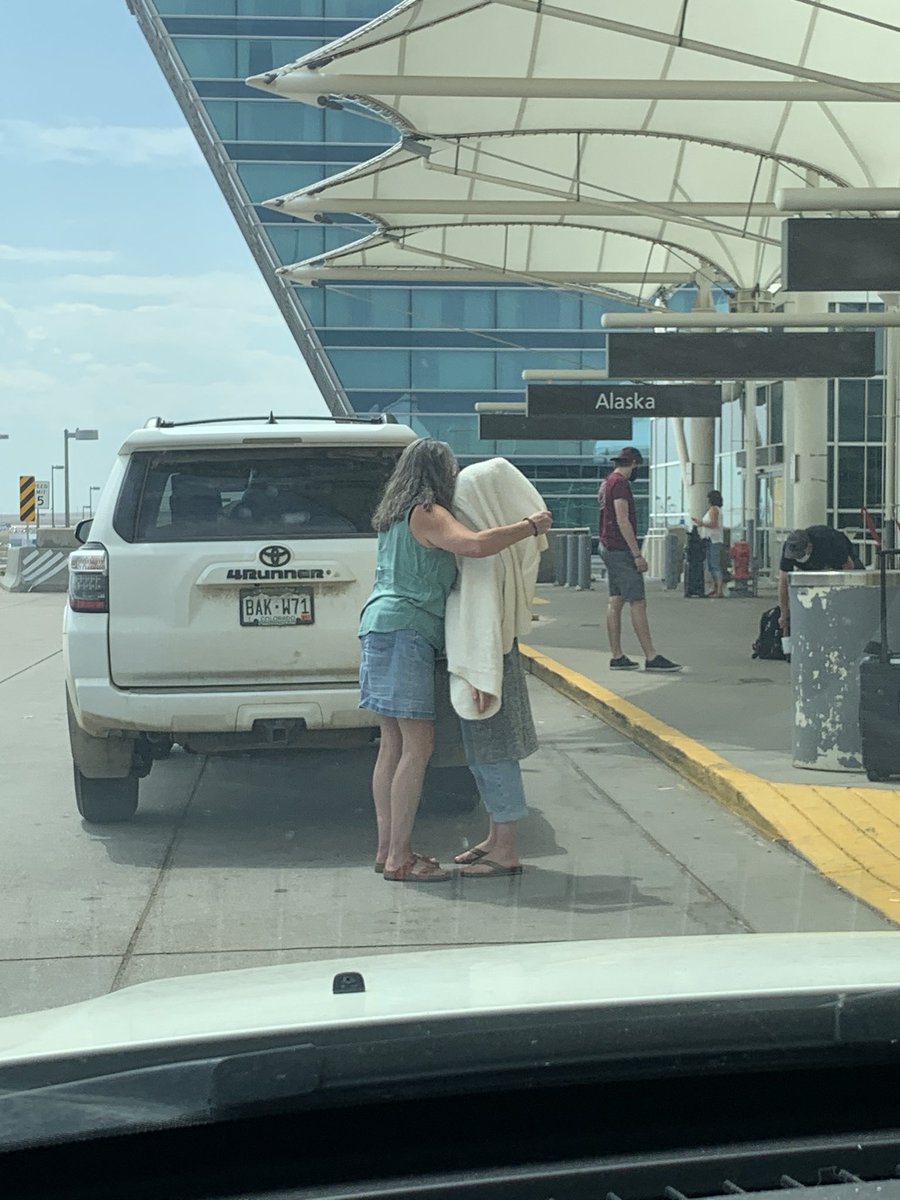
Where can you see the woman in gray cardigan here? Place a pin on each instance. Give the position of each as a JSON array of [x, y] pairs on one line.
[[487, 612]]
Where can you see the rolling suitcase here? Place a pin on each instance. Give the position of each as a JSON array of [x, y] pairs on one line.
[[879, 697]]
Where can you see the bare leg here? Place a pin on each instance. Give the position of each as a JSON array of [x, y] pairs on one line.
[[504, 848], [382, 778], [484, 847], [614, 625], [406, 788], [642, 627]]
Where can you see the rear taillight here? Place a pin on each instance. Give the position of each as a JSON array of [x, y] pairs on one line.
[[89, 580]]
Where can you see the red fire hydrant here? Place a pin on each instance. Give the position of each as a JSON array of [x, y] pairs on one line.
[[742, 574]]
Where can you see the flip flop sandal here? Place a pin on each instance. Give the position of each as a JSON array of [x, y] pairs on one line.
[[470, 856], [379, 866], [495, 870], [408, 874]]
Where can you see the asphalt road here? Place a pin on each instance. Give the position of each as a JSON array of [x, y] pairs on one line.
[[244, 862]]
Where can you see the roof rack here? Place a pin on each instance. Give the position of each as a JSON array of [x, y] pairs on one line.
[[272, 419]]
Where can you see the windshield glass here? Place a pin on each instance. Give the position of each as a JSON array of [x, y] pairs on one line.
[[562, 625]]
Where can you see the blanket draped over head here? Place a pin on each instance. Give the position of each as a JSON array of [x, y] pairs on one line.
[[490, 607]]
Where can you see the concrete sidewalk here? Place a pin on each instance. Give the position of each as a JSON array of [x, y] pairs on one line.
[[739, 707], [725, 724]]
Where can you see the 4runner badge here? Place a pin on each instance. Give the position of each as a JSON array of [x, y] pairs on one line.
[[274, 556]]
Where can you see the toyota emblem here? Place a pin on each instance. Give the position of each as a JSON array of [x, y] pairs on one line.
[[274, 556]]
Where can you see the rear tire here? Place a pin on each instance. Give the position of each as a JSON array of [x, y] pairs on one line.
[[102, 801], [877, 776]]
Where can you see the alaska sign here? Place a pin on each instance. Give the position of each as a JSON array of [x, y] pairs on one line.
[[610, 400]]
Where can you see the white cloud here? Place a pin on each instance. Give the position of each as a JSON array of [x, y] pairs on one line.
[[210, 289], [111, 354], [19, 379], [47, 255], [124, 145]]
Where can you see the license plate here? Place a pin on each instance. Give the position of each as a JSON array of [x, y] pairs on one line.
[[290, 606]]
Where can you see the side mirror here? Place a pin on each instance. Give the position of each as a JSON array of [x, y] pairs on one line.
[[83, 531]]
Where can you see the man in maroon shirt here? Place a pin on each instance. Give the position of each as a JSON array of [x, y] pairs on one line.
[[625, 565]]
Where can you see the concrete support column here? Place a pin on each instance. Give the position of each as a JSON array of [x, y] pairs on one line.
[[750, 443], [891, 462], [700, 469], [702, 440], [807, 471]]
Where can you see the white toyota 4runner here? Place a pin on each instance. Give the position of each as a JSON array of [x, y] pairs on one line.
[[215, 600]]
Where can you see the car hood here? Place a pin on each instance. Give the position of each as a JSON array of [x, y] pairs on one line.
[[439, 984]]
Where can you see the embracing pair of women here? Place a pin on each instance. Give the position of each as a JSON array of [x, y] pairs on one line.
[[455, 573]]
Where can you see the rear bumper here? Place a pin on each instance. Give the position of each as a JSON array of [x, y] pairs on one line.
[[101, 708]]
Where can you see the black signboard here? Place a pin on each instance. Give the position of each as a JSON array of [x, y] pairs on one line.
[[609, 399], [740, 355], [841, 254], [495, 427]]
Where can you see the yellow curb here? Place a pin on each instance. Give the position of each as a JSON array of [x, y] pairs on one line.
[[851, 835]]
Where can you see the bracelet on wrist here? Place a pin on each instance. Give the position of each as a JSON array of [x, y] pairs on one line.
[[534, 528]]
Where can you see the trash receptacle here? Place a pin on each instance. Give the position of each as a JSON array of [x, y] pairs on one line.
[[834, 614]]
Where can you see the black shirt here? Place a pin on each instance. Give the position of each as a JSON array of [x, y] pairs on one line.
[[830, 551]]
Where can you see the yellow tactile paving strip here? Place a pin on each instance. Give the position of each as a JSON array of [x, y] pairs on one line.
[[851, 835]]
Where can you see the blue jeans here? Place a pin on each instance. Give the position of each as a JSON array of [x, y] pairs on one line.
[[501, 789], [714, 560]]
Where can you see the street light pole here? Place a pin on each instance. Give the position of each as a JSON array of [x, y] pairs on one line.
[[91, 491], [66, 478], [80, 435], [53, 471]]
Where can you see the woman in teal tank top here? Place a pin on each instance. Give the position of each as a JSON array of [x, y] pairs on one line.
[[402, 631]]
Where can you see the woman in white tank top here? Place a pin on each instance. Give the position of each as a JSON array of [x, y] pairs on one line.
[[711, 525]]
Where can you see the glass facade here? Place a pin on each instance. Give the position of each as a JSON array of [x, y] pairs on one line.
[[428, 354], [856, 442]]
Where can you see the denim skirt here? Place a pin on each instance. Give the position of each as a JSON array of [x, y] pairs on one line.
[[396, 675]]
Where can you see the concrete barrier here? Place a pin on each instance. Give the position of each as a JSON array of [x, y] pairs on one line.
[[36, 569]]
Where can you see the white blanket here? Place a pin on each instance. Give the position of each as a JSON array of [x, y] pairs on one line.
[[490, 605]]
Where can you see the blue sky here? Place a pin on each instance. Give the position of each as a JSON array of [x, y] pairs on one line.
[[126, 289]]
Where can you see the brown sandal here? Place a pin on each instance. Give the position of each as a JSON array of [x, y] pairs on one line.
[[493, 870], [470, 856], [379, 866], [430, 873]]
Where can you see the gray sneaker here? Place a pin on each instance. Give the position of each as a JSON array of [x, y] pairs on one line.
[[661, 664], [623, 663]]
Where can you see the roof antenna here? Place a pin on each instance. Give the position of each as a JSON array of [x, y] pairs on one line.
[[271, 420]]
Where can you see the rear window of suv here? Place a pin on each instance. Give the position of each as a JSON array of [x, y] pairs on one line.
[[228, 495]]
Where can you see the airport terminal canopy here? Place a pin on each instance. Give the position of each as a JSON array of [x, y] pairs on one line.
[[591, 144]]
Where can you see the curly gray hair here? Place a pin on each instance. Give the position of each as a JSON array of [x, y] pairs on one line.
[[425, 474]]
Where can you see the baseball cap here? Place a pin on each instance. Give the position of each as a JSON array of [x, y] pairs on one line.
[[797, 544], [628, 456]]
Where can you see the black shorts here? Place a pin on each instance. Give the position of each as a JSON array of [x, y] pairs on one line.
[[625, 579]]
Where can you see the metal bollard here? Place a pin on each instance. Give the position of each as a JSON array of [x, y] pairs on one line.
[[584, 562], [572, 560], [560, 545]]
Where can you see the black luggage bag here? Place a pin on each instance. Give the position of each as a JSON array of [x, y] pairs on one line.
[[768, 644], [879, 697]]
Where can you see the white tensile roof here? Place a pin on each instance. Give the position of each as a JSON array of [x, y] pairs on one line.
[[600, 145]]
